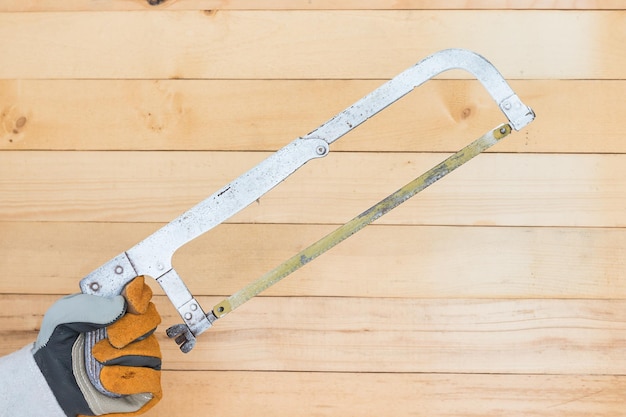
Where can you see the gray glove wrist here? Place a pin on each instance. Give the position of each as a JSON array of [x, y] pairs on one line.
[[62, 325]]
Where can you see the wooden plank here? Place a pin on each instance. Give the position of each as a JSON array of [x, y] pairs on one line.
[[495, 189], [92, 5], [305, 45], [335, 394], [385, 335], [443, 320], [382, 261], [442, 115]]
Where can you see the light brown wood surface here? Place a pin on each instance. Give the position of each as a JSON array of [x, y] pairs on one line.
[[82, 5], [408, 261], [499, 291], [316, 44], [236, 115], [495, 189]]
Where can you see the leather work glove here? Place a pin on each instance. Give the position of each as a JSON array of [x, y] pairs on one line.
[[129, 358]]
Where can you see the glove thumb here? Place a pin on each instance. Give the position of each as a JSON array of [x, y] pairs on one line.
[[79, 313]]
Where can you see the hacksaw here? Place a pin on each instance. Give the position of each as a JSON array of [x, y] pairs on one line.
[[153, 255]]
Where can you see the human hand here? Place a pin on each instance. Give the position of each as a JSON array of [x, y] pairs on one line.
[[128, 360]]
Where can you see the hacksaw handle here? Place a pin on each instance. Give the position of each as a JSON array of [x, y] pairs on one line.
[[110, 280]]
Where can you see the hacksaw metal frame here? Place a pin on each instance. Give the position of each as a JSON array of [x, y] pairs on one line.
[[153, 255]]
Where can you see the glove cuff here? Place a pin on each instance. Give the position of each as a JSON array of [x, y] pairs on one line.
[[56, 367], [23, 389]]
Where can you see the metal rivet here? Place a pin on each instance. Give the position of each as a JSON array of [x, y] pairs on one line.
[[94, 286], [507, 105], [188, 316], [193, 307], [321, 150], [119, 269]]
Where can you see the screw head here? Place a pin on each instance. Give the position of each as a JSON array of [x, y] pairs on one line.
[[94, 286], [320, 150]]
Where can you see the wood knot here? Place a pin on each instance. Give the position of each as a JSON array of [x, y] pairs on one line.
[[19, 124]]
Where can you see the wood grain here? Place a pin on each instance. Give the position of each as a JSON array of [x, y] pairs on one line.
[[381, 261], [321, 334], [494, 189], [443, 395], [305, 44], [92, 5], [500, 291], [236, 115]]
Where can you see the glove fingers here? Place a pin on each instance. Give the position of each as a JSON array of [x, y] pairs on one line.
[[139, 361], [128, 380], [144, 353], [130, 354], [137, 295], [148, 405], [132, 327]]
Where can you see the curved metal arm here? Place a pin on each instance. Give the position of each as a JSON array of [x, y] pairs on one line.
[[518, 114]]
